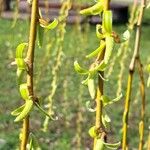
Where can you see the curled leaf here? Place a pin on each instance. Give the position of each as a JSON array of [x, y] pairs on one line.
[[112, 146], [17, 111], [25, 111], [20, 63], [24, 91], [40, 35], [107, 101], [19, 75], [89, 107], [107, 21], [50, 26], [91, 87], [109, 48], [98, 32], [94, 10], [79, 69], [106, 121], [20, 49], [99, 50]]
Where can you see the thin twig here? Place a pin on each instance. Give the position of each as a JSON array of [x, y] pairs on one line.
[[135, 59]]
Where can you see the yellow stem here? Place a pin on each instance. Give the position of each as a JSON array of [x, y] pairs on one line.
[[30, 60]]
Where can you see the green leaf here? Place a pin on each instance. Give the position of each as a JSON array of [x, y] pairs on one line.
[[107, 101], [34, 145], [19, 76], [44, 112], [106, 121], [91, 87], [112, 146], [107, 21], [24, 91], [92, 132], [79, 69], [51, 26], [40, 35], [20, 63], [148, 81], [17, 111], [89, 107], [148, 68], [20, 49], [109, 48], [99, 145], [101, 67], [94, 10], [25, 111], [98, 33], [99, 50]]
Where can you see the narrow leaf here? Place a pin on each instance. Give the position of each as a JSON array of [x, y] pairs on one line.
[[109, 48], [17, 111], [107, 101], [44, 112], [94, 10], [40, 36], [20, 63], [99, 50], [25, 111], [79, 69], [107, 21], [24, 91], [112, 146], [20, 49], [98, 32], [51, 26], [91, 87]]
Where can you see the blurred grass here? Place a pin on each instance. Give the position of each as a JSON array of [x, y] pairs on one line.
[[62, 133]]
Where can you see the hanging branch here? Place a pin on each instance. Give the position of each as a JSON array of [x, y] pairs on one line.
[[106, 37], [135, 59], [60, 38], [30, 60]]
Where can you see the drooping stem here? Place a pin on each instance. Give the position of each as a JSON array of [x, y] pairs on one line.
[[30, 60], [135, 59], [142, 89], [100, 86]]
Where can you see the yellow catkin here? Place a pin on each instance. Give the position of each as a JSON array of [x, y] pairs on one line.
[[60, 38]]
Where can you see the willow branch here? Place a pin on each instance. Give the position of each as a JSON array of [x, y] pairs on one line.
[[135, 58], [30, 60], [142, 89], [100, 88]]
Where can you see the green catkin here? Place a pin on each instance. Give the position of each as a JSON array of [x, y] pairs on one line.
[[60, 38]]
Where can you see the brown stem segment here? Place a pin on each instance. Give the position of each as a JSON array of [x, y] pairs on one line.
[[135, 59], [30, 60]]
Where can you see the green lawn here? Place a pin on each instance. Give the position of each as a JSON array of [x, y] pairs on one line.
[[62, 133]]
